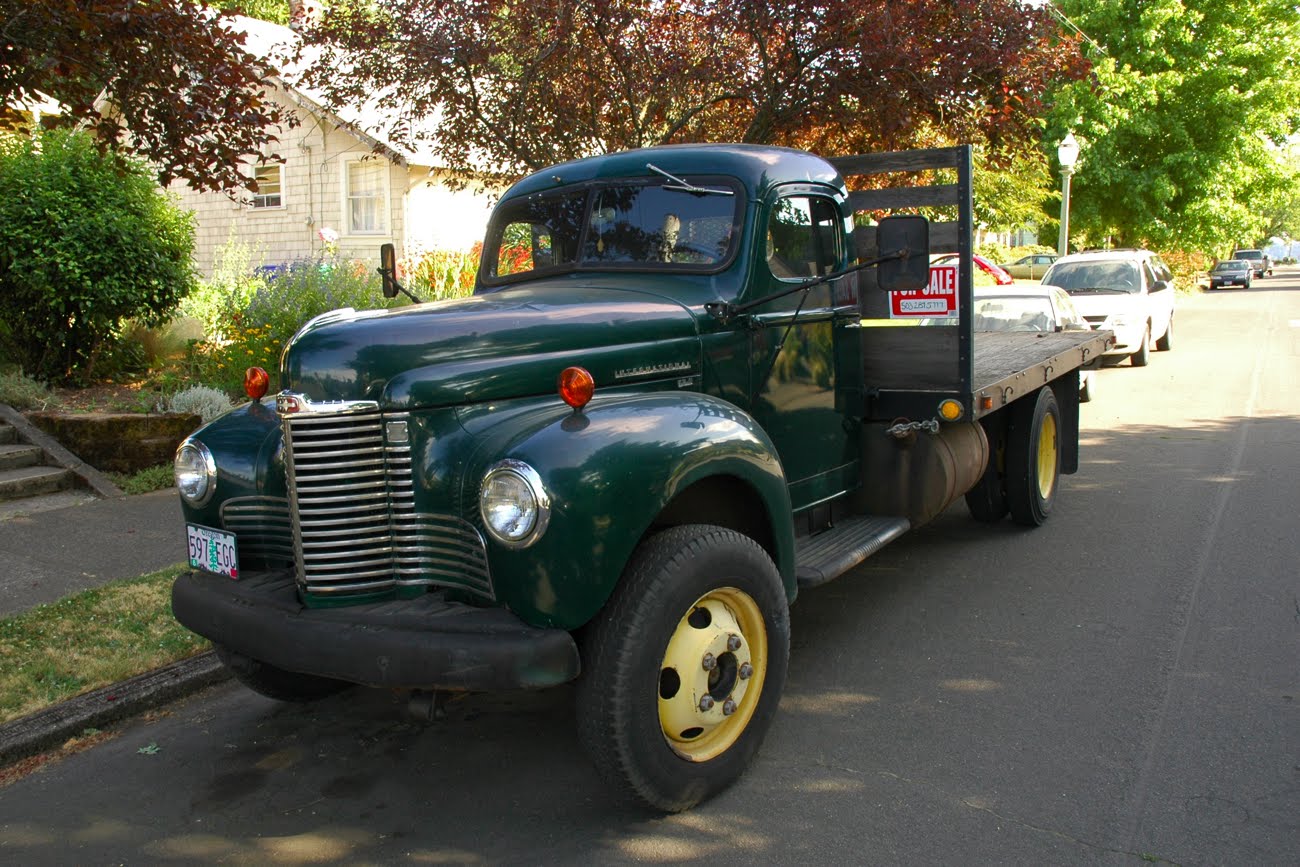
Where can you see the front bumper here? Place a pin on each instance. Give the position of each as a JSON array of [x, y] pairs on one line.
[[424, 643], [1220, 282], [1128, 339]]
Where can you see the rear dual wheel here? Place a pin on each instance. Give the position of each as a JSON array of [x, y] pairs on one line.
[[1033, 458], [683, 669]]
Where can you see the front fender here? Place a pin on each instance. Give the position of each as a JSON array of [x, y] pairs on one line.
[[609, 471], [244, 444]]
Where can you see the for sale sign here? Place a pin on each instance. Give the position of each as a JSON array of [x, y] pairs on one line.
[[936, 300]]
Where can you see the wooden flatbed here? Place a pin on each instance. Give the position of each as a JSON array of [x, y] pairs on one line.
[[917, 363], [1009, 364]]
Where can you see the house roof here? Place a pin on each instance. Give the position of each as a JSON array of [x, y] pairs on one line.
[[370, 122]]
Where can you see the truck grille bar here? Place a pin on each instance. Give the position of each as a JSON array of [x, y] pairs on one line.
[[352, 511]]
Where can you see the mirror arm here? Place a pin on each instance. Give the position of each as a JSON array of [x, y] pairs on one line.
[[389, 276], [726, 310]]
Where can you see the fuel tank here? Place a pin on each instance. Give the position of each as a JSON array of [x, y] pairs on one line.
[[919, 474]]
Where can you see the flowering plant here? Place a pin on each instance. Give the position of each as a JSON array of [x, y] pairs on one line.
[[330, 238]]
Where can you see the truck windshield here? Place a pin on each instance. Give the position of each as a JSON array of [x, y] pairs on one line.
[[622, 226]]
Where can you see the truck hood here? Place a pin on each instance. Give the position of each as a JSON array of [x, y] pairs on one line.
[[511, 343]]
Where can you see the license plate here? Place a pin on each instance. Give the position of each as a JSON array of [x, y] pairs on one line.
[[212, 550]]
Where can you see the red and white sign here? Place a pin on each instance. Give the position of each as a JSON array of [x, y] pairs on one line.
[[936, 300]]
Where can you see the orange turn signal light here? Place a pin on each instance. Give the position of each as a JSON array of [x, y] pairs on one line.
[[576, 386], [256, 382]]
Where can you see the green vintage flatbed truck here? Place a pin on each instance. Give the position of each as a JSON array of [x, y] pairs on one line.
[[688, 384]]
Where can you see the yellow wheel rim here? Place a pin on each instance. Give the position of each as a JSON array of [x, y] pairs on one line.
[[1047, 457], [711, 678]]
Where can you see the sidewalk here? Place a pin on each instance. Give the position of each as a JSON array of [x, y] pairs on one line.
[[49, 555]]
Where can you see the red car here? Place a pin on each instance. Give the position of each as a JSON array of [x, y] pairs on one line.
[[999, 275]]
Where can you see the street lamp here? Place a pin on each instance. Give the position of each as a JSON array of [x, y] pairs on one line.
[[1067, 154]]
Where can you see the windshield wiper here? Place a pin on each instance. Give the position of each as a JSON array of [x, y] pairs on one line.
[[1108, 289], [687, 186]]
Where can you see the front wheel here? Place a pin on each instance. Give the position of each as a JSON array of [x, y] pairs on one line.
[[1143, 355], [683, 668], [275, 682], [1088, 391], [1166, 341], [1033, 459]]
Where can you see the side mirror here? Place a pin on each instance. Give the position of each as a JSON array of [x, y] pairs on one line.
[[1160, 286], [910, 235], [388, 270]]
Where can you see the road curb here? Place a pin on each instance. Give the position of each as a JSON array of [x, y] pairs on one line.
[[51, 727]]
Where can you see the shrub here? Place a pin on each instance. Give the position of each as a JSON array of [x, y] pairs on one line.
[[249, 314], [207, 402], [87, 242], [23, 392]]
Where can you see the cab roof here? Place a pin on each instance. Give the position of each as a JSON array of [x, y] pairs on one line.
[[757, 167]]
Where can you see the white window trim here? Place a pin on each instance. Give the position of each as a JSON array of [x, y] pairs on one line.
[[386, 227], [284, 185]]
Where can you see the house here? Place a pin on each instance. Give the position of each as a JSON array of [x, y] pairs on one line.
[[339, 185]]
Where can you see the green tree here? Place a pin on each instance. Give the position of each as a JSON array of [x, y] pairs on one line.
[[1181, 119], [87, 241]]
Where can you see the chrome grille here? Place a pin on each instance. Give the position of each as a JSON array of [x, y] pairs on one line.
[[262, 529], [352, 505]]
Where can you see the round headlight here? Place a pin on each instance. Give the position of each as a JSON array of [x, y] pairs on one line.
[[514, 504], [196, 472]]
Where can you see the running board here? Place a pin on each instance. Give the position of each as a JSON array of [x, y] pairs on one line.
[[828, 555]]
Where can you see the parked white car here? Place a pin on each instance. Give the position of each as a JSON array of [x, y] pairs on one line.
[[1130, 292], [1032, 308]]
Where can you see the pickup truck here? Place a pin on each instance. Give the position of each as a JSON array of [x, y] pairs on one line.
[[691, 382]]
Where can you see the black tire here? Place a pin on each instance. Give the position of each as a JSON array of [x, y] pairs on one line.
[[641, 717], [275, 682], [987, 501], [1166, 341], [1033, 458], [1143, 355]]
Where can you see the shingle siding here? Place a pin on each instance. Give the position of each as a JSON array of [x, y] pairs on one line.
[[315, 154]]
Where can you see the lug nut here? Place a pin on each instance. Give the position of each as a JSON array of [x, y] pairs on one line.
[[706, 703], [709, 662], [728, 707], [746, 671], [733, 642]]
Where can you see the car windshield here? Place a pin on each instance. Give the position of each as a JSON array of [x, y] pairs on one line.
[[1232, 265], [1248, 254], [1116, 276], [640, 226], [1014, 313]]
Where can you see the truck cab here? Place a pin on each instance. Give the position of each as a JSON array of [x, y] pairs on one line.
[[671, 402]]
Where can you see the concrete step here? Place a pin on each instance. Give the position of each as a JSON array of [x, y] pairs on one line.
[[34, 481], [7, 433], [16, 455], [44, 503]]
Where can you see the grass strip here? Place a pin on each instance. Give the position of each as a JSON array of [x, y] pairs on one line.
[[146, 480], [89, 640]]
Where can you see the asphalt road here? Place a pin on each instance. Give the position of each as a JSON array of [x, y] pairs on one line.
[[1117, 687]]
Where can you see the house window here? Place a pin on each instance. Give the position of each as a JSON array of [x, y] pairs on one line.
[[270, 183], [365, 193]]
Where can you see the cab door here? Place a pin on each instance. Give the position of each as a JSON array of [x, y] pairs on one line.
[[801, 347]]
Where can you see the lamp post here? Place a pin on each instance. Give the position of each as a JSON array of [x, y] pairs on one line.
[[1067, 154]]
